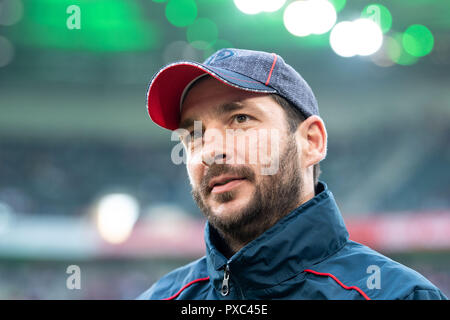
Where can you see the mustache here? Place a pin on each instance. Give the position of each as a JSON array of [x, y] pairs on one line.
[[219, 169]]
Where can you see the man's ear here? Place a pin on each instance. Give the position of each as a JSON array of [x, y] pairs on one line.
[[313, 137]]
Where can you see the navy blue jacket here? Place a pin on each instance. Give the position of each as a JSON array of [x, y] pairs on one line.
[[305, 255]]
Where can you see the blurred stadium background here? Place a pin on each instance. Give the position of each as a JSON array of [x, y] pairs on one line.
[[86, 178]]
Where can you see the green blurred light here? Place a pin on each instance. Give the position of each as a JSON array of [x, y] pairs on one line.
[[418, 40], [338, 4], [380, 14], [397, 53], [106, 25], [202, 34], [159, 1], [181, 13]]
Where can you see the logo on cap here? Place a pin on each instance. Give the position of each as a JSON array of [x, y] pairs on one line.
[[221, 55]]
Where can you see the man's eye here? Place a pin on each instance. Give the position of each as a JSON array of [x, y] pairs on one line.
[[241, 118]]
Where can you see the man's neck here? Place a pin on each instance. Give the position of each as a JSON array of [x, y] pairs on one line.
[[229, 245]]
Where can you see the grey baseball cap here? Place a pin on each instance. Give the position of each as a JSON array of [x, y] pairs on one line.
[[254, 71]]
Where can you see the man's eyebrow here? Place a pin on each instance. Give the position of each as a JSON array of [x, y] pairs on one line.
[[229, 107], [186, 123], [221, 110]]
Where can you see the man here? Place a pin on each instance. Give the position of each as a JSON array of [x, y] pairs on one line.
[[253, 139]]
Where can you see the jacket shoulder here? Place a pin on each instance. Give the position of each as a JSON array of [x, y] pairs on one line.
[[177, 281], [378, 276]]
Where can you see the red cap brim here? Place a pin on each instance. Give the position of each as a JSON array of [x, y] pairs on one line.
[[164, 93]]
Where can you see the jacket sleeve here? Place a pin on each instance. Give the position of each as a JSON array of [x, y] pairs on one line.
[[426, 294]]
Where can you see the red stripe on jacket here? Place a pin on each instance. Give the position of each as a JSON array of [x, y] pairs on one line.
[[185, 286], [306, 270], [339, 282]]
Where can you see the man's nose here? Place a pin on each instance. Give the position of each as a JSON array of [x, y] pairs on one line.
[[214, 149]]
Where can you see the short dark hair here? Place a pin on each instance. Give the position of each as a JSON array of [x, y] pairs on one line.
[[294, 117]]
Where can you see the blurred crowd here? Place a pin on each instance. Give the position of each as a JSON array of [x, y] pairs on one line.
[[366, 174], [66, 177]]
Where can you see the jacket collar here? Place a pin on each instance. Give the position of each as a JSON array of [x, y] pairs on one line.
[[309, 234]]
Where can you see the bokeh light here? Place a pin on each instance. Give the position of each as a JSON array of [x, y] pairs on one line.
[[398, 54], [418, 40], [181, 13], [368, 36], [324, 16], [202, 34], [116, 215], [11, 11], [342, 39], [302, 18], [296, 19], [360, 37], [379, 14]]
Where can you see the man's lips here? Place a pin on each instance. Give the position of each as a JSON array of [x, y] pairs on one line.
[[227, 186], [224, 183]]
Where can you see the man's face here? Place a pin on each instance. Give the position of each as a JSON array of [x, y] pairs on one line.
[[243, 134]]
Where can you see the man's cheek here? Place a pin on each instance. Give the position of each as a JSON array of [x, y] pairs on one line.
[[269, 151], [242, 146], [193, 175]]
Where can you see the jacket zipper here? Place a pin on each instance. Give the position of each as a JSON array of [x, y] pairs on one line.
[[225, 285]]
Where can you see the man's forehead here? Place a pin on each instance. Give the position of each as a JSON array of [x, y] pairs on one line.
[[213, 97], [205, 88]]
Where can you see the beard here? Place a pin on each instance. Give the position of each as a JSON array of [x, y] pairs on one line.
[[273, 198]]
